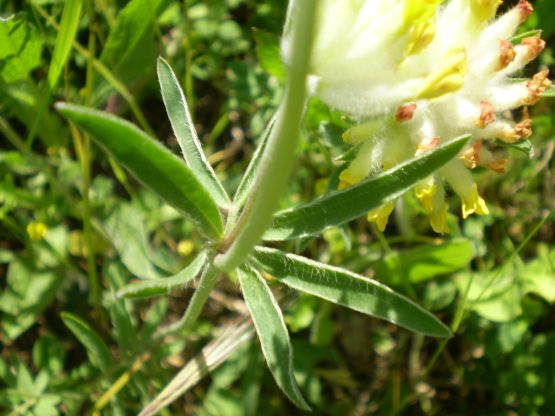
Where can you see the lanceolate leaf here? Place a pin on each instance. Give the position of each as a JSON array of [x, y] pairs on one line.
[[151, 163], [98, 352], [272, 332], [342, 206], [247, 181], [184, 130], [157, 287], [350, 290], [64, 39]]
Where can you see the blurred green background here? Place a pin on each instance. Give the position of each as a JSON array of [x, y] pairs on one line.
[[75, 227]]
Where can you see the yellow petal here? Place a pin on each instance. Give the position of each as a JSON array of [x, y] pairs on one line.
[[473, 203], [420, 10], [381, 215], [425, 191], [447, 78], [438, 219], [421, 35], [484, 10]]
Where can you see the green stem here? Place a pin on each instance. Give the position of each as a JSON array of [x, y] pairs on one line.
[[84, 159], [206, 284], [278, 159], [83, 148], [15, 139]]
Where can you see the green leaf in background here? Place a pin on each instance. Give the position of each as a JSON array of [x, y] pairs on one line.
[[20, 48], [163, 286], [247, 181], [524, 146], [342, 206], [502, 300], [151, 163], [130, 49], [64, 39], [184, 130], [545, 13], [28, 292], [268, 53], [120, 310], [21, 100], [272, 332], [125, 226], [424, 262], [98, 352], [350, 290]]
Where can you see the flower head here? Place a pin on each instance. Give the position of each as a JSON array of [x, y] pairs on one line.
[[440, 71]]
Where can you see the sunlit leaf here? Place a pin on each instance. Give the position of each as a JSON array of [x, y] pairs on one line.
[[272, 332], [342, 206], [184, 130], [350, 290], [151, 163]]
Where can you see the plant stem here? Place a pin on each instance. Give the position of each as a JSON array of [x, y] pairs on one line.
[[206, 284], [84, 159], [278, 159]]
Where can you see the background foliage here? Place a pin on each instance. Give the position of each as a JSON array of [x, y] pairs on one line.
[[75, 228]]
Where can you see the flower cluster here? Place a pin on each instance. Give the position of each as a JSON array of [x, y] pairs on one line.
[[418, 73]]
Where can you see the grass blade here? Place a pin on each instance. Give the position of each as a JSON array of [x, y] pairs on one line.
[[98, 351], [151, 163], [272, 332], [350, 290], [184, 130], [342, 206], [158, 287], [211, 356], [64, 40]]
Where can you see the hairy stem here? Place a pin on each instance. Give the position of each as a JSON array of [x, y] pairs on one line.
[[278, 159]]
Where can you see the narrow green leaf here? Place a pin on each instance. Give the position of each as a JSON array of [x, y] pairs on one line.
[[524, 146], [515, 40], [64, 39], [151, 163], [184, 130], [98, 351], [272, 332], [157, 287], [130, 49], [247, 181], [348, 204], [350, 290], [120, 311]]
